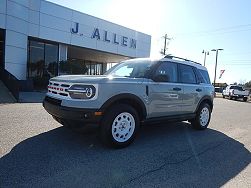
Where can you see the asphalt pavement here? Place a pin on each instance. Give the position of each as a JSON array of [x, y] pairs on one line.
[[36, 151]]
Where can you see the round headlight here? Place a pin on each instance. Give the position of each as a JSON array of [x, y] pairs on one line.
[[82, 91]]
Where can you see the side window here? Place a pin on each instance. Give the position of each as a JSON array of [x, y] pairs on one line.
[[167, 72], [187, 74], [203, 76]]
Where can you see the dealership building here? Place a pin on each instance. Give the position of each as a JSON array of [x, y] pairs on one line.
[[40, 39]]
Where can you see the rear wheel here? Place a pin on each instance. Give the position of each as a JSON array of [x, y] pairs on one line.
[[202, 118], [245, 99], [119, 126], [223, 96]]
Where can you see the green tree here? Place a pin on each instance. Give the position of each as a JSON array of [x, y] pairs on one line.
[[248, 84]]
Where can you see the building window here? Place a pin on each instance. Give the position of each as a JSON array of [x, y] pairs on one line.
[[51, 59], [80, 66], [95, 68], [42, 63], [109, 65], [2, 39]]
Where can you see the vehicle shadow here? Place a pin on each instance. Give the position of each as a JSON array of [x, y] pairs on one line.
[[172, 155]]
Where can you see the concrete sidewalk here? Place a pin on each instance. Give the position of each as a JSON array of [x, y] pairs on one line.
[[5, 94]]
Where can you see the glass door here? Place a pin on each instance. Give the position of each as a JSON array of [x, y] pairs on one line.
[[43, 62]]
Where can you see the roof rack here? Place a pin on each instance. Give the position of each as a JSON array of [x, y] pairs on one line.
[[171, 57]]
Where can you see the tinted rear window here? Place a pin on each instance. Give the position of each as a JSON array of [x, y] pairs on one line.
[[204, 77], [187, 74]]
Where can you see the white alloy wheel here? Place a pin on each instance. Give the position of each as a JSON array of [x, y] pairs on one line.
[[123, 127], [204, 116]]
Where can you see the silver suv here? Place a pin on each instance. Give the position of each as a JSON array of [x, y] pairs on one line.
[[131, 94]]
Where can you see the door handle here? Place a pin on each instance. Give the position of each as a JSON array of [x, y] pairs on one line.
[[176, 89], [199, 90]]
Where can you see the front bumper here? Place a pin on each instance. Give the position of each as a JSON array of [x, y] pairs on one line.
[[239, 96], [53, 107]]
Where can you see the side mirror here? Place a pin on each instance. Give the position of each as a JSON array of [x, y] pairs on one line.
[[161, 78]]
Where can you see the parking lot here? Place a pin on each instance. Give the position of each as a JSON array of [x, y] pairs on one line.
[[36, 151]]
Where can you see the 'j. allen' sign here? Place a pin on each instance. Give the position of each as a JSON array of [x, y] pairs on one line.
[[124, 41]]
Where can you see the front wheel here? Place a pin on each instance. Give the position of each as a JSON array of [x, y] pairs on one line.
[[119, 126], [245, 99], [202, 118]]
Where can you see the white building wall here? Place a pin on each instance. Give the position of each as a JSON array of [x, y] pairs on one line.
[[2, 13], [45, 20], [16, 38]]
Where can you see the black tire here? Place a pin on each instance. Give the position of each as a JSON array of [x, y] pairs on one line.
[[223, 96], [201, 122], [230, 97], [116, 132], [245, 99]]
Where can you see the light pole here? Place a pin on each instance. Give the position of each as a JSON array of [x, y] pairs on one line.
[[216, 50], [205, 57]]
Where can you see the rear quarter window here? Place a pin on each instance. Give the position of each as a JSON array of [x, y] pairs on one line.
[[203, 76]]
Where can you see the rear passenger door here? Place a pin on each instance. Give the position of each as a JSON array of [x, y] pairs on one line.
[[165, 91], [193, 91]]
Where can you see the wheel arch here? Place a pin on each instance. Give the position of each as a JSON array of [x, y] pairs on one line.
[[126, 98], [206, 99]]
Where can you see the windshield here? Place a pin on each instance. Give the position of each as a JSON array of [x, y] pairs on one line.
[[237, 88], [131, 69]]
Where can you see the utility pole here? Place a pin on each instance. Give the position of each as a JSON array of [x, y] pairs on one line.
[[167, 39]]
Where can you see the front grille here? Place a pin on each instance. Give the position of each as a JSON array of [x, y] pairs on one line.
[[58, 88], [53, 101]]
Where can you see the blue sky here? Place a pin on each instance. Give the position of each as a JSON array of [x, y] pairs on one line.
[[193, 26]]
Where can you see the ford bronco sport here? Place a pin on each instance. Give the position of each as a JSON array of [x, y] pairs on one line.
[[132, 93]]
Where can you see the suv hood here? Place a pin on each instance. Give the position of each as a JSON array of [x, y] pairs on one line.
[[95, 79]]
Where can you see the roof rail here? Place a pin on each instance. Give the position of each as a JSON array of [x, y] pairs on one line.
[[175, 57]]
